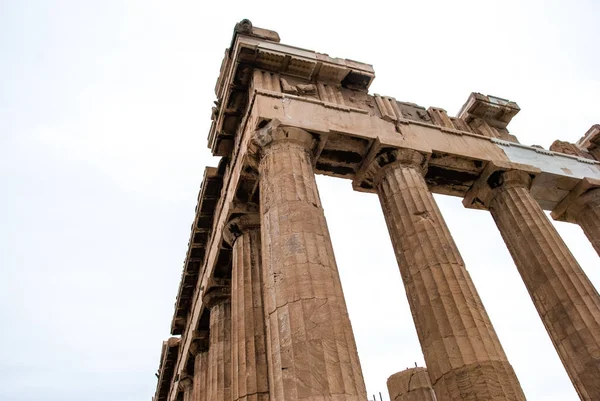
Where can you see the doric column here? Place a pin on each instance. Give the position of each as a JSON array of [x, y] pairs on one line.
[[249, 355], [217, 298], [463, 354], [410, 385], [312, 352], [199, 351], [200, 376], [585, 211], [564, 297], [186, 387]]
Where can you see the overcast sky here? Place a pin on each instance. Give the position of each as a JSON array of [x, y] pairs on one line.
[[104, 115]]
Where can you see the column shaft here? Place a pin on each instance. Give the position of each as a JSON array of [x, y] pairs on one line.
[[249, 358], [410, 385], [200, 376], [188, 394], [219, 353], [588, 217], [564, 297], [312, 350], [463, 354]]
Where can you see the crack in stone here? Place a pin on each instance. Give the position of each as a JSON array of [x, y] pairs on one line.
[[296, 300], [408, 390]]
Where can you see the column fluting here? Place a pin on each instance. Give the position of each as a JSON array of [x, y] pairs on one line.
[[586, 211], [564, 297], [200, 376], [311, 346], [464, 357], [218, 382], [249, 355]]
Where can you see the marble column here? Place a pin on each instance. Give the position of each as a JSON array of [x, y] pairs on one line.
[[410, 385], [248, 341], [199, 351], [585, 210], [186, 387], [312, 352], [564, 297], [464, 357], [218, 382], [200, 376]]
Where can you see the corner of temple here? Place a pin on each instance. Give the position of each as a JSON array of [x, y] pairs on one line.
[[590, 142], [245, 27], [489, 115], [497, 175], [274, 131], [380, 158]]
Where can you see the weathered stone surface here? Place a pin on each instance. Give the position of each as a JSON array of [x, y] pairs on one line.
[[200, 376], [495, 111], [410, 385], [199, 235], [168, 359], [585, 210], [591, 141], [564, 297], [249, 355], [464, 357], [186, 387], [310, 341], [569, 148], [218, 384], [200, 342], [312, 352]]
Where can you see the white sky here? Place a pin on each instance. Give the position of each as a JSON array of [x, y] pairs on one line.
[[104, 114]]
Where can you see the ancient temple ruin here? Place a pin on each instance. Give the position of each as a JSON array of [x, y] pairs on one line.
[[260, 313]]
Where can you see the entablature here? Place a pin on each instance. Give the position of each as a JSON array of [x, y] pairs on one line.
[[248, 52], [349, 137], [208, 197], [166, 369]]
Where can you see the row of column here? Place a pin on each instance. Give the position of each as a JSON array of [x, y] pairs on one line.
[[451, 322], [284, 332], [280, 330]]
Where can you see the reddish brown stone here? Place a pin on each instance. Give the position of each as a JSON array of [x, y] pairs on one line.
[[564, 297], [200, 377], [249, 357], [312, 353], [286, 92], [585, 211], [410, 385], [217, 298], [464, 357]]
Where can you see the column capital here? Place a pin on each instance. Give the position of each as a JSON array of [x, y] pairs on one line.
[[409, 207], [496, 177], [185, 382], [382, 159], [509, 179], [238, 225], [199, 342], [218, 290], [274, 132], [585, 193]]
